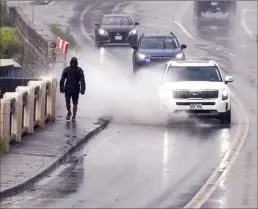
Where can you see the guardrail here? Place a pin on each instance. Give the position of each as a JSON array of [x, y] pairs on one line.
[[28, 107]]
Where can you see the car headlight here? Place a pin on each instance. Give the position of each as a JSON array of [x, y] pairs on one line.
[[141, 56], [225, 94], [102, 32], [132, 32], [180, 55]]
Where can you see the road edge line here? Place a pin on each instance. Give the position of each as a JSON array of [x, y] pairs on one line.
[[220, 172], [32, 181]]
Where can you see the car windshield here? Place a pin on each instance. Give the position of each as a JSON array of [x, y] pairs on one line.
[[159, 43], [116, 21], [210, 73]]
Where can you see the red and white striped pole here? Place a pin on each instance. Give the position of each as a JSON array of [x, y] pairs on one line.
[[63, 45]]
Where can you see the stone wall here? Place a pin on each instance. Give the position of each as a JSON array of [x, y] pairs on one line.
[[38, 52]]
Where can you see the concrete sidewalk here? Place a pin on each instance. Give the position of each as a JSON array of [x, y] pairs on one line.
[[38, 154]]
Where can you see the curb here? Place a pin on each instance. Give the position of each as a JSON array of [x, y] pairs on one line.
[[29, 183]]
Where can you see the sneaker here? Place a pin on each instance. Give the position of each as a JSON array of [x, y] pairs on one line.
[[68, 117], [73, 119]]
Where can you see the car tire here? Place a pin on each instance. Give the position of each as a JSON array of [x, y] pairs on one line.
[[135, 69], [97, 44], [225, 118]]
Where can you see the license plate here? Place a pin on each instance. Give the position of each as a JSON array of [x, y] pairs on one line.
[[195, 106], [118, 38], [214, 3]]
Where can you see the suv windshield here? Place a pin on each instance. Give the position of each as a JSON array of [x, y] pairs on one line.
[[159, 43], [116, 21], [210, 73]]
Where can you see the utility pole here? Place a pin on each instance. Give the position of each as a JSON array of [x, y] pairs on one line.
[[33, 12]]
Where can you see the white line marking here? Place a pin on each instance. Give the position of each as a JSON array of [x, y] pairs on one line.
[[87, 34], [83, 29], [178, 19], [243, 23], [227, 162], [211, 184], [225, 165]]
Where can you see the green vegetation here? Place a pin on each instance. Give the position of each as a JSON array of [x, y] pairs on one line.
[[57, 31], [9, 42], [4, 146]]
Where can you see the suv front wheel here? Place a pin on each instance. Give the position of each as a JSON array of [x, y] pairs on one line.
[[225, 118]]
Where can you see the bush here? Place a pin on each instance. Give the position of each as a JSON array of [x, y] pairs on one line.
[[9, 42], [4, 146]]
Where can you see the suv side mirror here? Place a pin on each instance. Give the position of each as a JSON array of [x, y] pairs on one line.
[[229, 79], [183, 46], [136, 23], [97, 24], [134, 47]]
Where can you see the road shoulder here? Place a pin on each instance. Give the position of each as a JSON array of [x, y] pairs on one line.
[[39, 154]]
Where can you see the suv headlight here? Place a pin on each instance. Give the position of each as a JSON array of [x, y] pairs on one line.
[[132, 32], [180, 55], [102, 32], [141, 56], [225, 94]]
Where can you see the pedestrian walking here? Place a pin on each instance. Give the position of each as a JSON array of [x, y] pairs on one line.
[[72, 83]]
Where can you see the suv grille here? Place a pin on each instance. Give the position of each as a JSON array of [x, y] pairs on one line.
[[160, 58], [113, 34], [213, 94]]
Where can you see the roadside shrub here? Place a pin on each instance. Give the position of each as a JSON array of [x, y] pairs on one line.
[[4, 146], [9, 42]]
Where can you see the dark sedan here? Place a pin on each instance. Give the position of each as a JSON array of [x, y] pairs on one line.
[[116, 28], [154, 49]]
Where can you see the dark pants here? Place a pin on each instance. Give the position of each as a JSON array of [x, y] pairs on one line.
[[69, 96]]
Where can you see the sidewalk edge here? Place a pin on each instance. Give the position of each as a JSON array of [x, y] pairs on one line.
[[30, 182]]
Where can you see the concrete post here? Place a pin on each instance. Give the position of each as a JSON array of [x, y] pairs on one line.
[[41, 101], [29, 107], [16, 126], [51, 96], [5, 121]]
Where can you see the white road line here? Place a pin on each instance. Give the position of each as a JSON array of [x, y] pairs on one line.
[[178, 19], [225, 165], [83, 29], [87, 34], [236, 145], [228, 160], [244, 25]]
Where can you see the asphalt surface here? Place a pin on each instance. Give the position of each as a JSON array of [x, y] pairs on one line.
[[138, 161]]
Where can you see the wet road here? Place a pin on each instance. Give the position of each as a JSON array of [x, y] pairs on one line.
[[134, 165]]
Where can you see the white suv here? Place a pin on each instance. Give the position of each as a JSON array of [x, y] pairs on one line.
[[196, 87]]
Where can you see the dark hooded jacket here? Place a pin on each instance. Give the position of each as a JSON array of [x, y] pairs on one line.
[[74, 77]]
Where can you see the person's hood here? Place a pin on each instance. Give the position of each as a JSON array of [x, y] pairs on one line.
[[74, 62]]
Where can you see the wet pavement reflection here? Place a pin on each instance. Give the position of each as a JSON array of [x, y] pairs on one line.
[[135, 165]]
